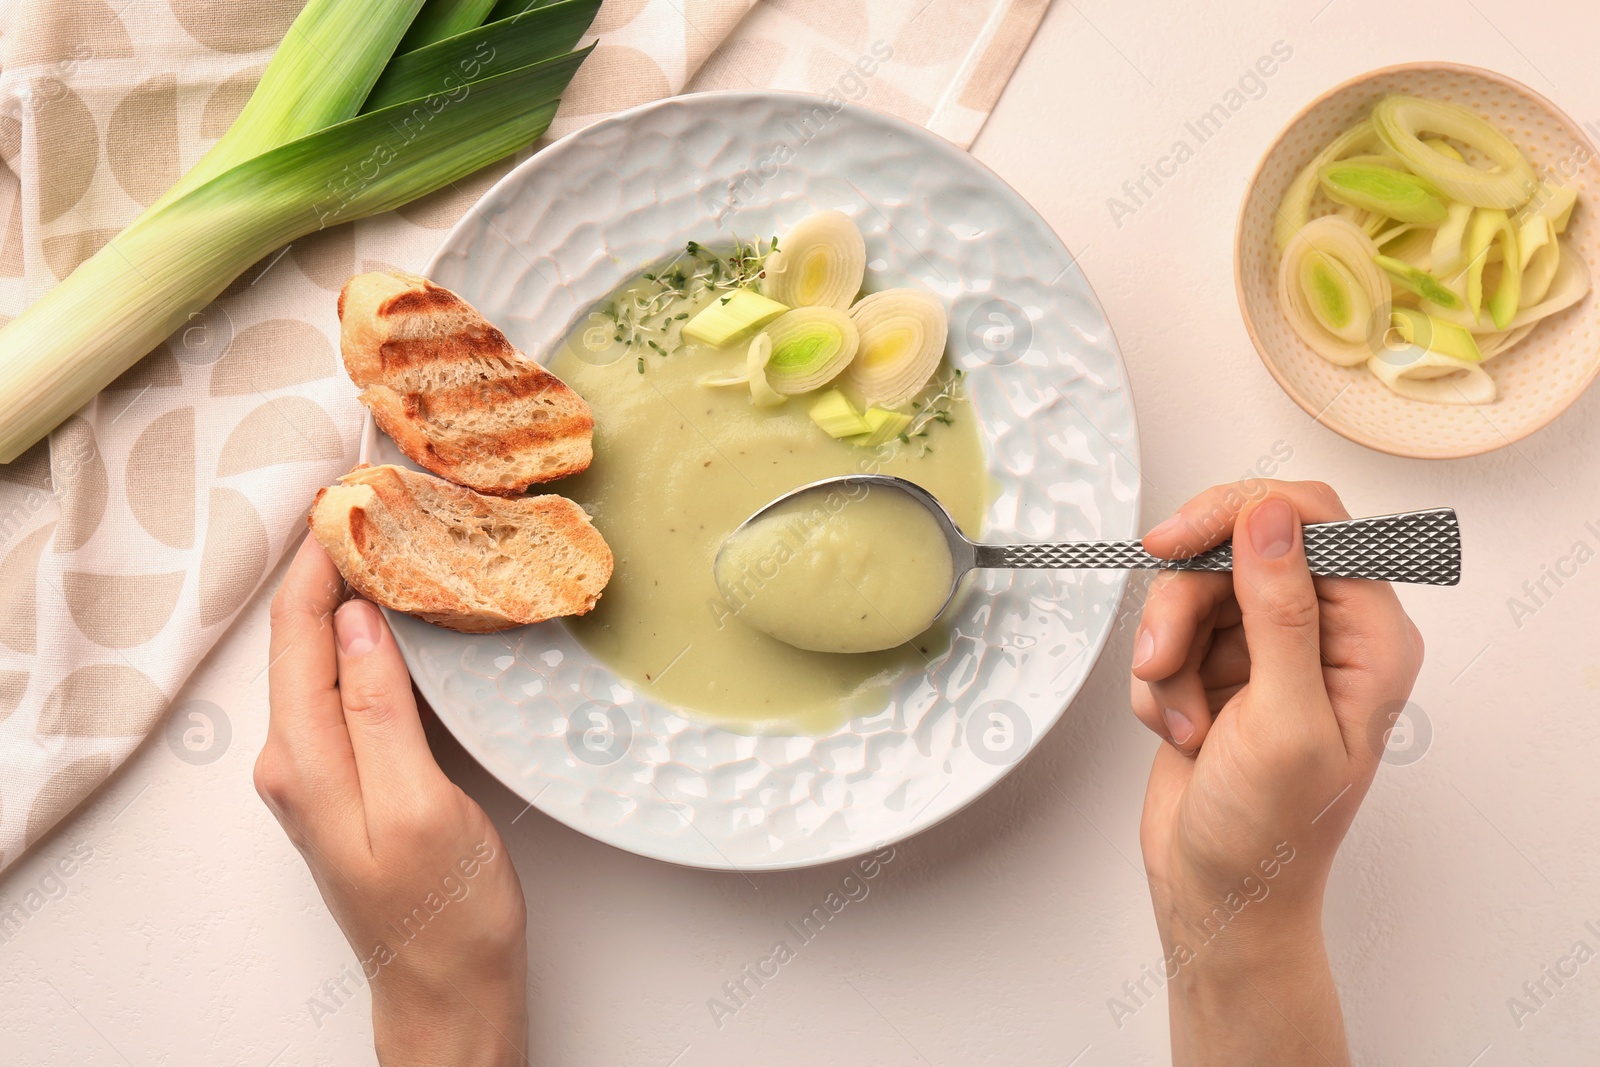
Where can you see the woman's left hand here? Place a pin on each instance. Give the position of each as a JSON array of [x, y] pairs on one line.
[[412, 869]]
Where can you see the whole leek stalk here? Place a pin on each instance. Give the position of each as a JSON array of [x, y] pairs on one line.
[[185, 250]]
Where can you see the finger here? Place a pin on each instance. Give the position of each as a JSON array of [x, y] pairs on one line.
[[1178, 606], [391, 750], [1209, 519], [1147, 709], [306, 727], [1278, 603], [1185, 709]]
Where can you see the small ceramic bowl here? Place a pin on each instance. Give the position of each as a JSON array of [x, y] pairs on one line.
[[1538, 379]]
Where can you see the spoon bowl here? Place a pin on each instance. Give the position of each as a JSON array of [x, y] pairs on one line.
[[852, 487]]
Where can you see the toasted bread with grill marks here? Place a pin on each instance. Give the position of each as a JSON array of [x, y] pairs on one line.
[[457, 558], [453, 393]]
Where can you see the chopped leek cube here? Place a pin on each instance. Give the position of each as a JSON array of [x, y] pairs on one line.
[[885, 426], [838, 417], [732, 318]]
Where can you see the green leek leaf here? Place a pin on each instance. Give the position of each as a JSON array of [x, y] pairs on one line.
[[441, 19], [493, 48], [507, 8], [1335, 298]]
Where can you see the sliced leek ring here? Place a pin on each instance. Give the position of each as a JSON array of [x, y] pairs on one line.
[[1494, 344], [1336, 300], [1424, 331], [756, 360], [810, 347], [819, 263], [1569, 285], [1432, 377], [720, 381], [1490, 227], [1554, 202], [1344, 243], [1539, 264], [903, 334], [1295, 209], [1400, 120], [1450, 240], [1384, 191]]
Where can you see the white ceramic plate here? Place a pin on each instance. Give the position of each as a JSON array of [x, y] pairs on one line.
[[590, 212]]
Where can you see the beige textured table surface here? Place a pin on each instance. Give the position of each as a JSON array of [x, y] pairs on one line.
[[190, 933]]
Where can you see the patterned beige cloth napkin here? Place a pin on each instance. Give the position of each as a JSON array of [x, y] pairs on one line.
[[132, 537]]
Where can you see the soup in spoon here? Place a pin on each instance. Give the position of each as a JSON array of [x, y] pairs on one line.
[[843, 569]]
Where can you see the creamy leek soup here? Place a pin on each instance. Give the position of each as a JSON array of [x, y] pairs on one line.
[[680, 464], [839, 569]]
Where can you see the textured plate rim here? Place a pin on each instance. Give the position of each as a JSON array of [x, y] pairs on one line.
[[1556, 410], [471, 220]]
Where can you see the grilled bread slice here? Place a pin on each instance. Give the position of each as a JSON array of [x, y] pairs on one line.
[[452, 391], [457, 558]]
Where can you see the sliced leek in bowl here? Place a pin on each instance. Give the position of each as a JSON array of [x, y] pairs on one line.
[[807, 331], [1440, 212], [1437, 224], [1330, 285], [1507, 182], [811, 346], [903, 334], [819, 263], [1361, 171]]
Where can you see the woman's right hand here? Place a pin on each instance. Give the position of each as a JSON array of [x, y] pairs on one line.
[[1273, 691]]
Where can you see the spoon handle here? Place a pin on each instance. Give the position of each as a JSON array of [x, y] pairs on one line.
[[1420, 547]]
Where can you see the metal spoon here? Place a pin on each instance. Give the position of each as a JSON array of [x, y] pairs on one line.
[[1419, 547]]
